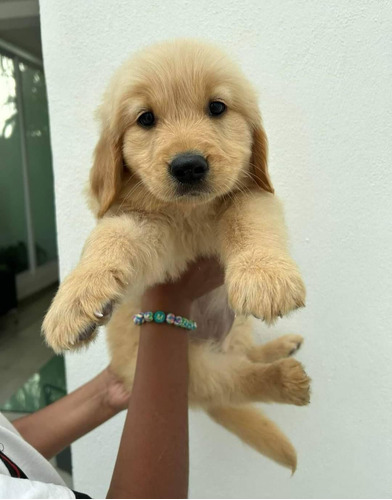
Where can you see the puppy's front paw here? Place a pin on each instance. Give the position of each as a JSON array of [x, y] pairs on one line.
[[265, 286], [83, 302]]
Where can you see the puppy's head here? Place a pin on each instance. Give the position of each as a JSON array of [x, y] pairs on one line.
[[182, 120]]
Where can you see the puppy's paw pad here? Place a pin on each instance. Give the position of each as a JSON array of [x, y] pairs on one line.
[[87, 333]]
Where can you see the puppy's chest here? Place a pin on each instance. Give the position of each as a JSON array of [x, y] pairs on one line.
[[196, 236]]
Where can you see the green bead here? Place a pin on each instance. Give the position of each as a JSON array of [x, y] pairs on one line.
[[159, 317]]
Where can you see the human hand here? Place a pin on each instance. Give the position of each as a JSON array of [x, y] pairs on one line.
[[201, 277], [115, 397]]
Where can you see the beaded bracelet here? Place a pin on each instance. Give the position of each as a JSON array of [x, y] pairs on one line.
[[161, 317]]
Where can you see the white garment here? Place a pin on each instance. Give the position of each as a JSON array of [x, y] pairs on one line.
[[43, 480]]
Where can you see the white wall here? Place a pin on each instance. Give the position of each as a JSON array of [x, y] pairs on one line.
[[324, 73]]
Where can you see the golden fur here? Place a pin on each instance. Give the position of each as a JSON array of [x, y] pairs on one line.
[[147, 233]]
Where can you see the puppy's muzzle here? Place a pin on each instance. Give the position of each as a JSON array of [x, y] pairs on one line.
[[189, 168]]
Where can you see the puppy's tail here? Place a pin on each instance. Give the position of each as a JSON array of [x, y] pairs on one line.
[[258, 431]]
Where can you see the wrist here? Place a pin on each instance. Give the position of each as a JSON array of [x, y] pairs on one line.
[[169, 304]]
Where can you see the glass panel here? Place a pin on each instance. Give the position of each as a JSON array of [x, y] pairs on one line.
[[43, 388], [13, 229], [39, 158]]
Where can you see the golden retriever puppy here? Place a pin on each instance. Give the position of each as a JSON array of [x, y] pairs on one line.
[[179, 172]]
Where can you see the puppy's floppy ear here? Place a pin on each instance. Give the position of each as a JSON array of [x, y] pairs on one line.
[[259, 159], [107, 170]]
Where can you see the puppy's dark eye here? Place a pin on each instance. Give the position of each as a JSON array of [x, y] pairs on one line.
[[217, 108], [147, 119]]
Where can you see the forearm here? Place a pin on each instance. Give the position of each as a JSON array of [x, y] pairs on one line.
[[53, 428], [152, 461]]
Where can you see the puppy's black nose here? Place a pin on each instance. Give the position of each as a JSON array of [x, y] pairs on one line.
[[189, 168]]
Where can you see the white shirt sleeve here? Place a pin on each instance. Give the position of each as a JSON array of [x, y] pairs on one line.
[[13, 487], [32, 463]]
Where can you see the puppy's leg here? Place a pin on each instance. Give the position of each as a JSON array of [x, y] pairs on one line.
[[261, 277], [123, 342], [240, 339], [218, 379], [121, 252], [279, 348]]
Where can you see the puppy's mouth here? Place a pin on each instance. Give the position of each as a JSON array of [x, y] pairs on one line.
[[193, 192], [185, 190]]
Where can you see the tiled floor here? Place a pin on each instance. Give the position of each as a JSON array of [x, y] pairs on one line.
[[22, 350]]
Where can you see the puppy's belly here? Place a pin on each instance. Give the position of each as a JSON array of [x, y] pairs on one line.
[[214, 316]]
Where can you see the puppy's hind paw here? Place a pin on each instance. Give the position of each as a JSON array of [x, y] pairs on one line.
[[292, 382]]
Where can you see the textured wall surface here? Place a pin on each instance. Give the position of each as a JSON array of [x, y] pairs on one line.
[[324, 72]]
